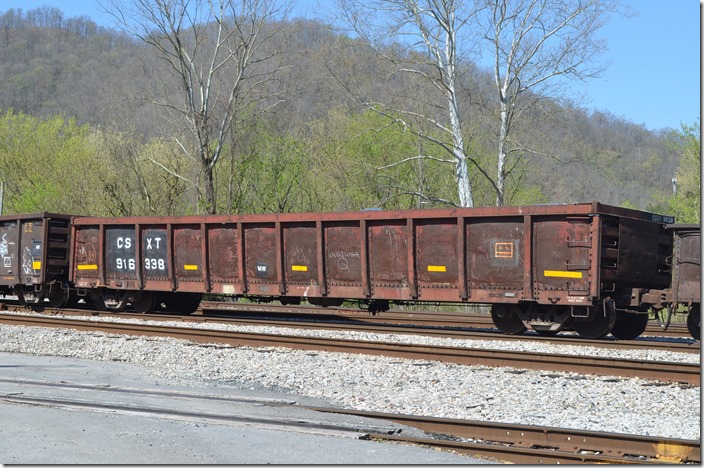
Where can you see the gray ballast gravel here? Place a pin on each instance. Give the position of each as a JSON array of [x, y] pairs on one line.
[[569, 400]]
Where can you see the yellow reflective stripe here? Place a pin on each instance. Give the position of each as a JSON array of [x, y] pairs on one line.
[[299, 268], [36, 265], [437, 268], [563, 274], [190, 267], [87, 267]]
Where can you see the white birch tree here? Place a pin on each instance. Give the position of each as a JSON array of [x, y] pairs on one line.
[[537, 45], [424, 36]]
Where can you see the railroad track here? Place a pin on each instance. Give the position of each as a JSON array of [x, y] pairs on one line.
[[500, 441], [655, 370], [444, 319], [519, 443], [685, 345]]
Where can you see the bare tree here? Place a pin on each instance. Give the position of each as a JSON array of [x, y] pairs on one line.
[[419, 39], [537, 45], [225, 55]]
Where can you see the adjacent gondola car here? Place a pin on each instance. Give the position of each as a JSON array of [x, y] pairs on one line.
[[34, 257], [547, 267], [684, 292]]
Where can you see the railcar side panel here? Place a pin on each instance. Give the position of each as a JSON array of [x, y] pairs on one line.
[[436, 255], [495, 256], [86, 257], [643, 250], [11, 252], [32, 262], [563, 260], [300, 254], [388, 259], [155, 255], [121, 256], [260, 256], [224, 259], [188, 258], [345, 259]]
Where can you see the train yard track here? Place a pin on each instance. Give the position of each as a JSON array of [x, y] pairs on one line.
[[437, 324], [444, 319], [424, 326], [686, 346], [516, 443], [656, 370]]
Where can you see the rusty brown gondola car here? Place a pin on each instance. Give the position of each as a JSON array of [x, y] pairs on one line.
[[684, 291], [34, 251], [549, 267]]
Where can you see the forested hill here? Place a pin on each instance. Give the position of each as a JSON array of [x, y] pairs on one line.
[[316, 149]]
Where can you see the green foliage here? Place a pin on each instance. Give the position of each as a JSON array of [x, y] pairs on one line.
[[686, 204], [267, 178], [364, 161], [139, 178], [45, 164]]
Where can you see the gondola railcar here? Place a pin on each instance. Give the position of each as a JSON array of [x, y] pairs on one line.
[[549, 268]]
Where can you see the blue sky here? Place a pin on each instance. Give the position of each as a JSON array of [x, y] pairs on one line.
[[655, 59]]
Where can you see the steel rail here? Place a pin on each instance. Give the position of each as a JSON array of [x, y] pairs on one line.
[[656, 370], [561, 439]]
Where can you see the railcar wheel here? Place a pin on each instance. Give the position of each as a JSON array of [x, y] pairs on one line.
[[29, 297], [145, 303], [694, 322], [378, 306], [597, 324], [59, 297], [506, 319], [288, 300], [629, 326]]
